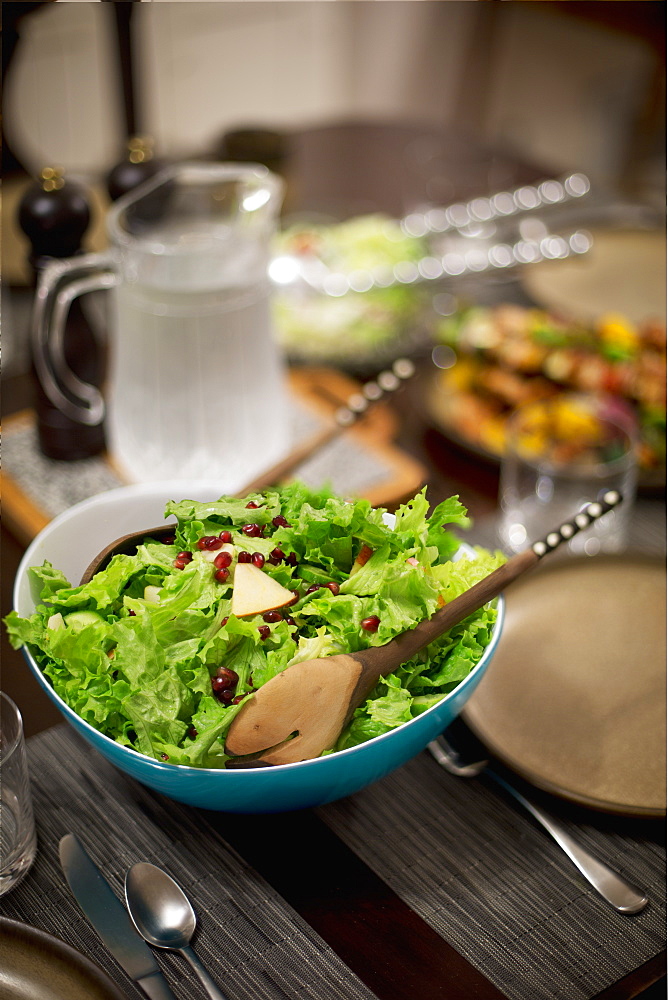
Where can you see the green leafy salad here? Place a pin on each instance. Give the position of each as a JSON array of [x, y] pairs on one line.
[[160, 650]]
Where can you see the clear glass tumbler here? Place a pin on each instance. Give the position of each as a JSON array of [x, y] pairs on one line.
[[18, 840], [562, 453]]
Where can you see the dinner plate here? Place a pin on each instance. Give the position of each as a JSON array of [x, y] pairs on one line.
[[624, 272], [574, 700], [35, 965]]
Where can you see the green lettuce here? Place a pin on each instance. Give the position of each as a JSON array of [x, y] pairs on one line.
[[141, 665]]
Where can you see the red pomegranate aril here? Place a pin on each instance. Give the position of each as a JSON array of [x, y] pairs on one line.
[[209, 542], [264, 631], [243, 557], [226, 696], [229, 676], [182, 559], [257, 559], [225, 621], [272, 616], [225, 536], [168, 540], [252, 530], [289, 620], [238, 698], [164, 756], [279, 521], [312, 589], [222, 575], [251, 503], [371, 623], [291, 559], [273, 561], [333, 586], [277, 554], [192, 733], [222, 560]]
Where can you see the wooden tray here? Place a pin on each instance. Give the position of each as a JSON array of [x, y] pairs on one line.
[[363, 462]]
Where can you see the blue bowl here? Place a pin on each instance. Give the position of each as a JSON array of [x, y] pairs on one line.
[[73, 538]]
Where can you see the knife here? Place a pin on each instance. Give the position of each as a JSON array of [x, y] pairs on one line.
[[111, 920]]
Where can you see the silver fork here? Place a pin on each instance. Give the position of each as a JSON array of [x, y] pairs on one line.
[[625, 897]]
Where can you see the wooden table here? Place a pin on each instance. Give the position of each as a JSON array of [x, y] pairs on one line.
[[367, 924]]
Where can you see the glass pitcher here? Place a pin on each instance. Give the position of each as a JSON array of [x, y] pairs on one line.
[[195, 388]]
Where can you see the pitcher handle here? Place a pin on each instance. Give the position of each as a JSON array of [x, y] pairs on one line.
[[60, 282]]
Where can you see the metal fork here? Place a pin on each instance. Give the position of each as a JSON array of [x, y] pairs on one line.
[[625, 897]]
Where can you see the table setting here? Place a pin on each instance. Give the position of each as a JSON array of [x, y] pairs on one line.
[[482, 820]]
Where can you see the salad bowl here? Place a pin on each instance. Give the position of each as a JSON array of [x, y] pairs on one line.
[[74, 537]]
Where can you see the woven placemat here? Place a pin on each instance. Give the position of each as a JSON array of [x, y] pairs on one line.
[[486, 878], [251, 941]]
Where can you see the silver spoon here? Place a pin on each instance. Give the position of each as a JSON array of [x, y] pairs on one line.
[[161, 912], [612, 887]]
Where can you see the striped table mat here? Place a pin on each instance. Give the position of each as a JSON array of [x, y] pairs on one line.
[[251, 941]]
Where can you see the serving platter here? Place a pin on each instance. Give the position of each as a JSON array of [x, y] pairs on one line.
[[574, 701], [39, 966]]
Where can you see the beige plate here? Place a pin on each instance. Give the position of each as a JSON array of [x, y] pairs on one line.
[[624, 272], [35, 965], [575, 697]]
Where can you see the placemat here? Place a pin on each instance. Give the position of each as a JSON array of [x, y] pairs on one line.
[[252, 943], [491, 882]]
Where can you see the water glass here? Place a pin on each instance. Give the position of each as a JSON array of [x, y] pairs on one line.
[[18, 840], [560, 454]]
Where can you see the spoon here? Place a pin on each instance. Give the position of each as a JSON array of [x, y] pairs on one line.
[[625, 898], [161, 912], [355, 407], [300, 712]]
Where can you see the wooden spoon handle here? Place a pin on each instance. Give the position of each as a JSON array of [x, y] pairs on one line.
[[381, 660]]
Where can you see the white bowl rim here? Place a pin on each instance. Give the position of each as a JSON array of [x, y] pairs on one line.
[[142, 489]]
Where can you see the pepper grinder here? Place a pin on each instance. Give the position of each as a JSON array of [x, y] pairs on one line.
[[54, 213], [137, 166]]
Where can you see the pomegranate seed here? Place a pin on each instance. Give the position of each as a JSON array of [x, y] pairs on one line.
[[272, 616], [252, 530], [291, 559], [264, 631], [312, 589], [222, 560], [257, 559], [221, 575], [229, 676], [251, 503], [295, 597], [132, 614], [244, 557], [226, 696], [209, 542], [225, 536], [277, 554], [333, 586], [273, 561], [182, 559], [168, 540], [289, 620], [218, 684], [192, 733], [239, 697], [225, 621], [371, 623], [279, 521], [164, 756]]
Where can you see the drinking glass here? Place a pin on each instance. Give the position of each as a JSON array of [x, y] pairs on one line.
[[560, 454], [18, 840]]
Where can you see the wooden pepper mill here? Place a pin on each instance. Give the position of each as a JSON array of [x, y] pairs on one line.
[[137, 166], [54, 213]]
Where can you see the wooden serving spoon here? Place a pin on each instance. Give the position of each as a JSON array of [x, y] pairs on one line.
[[300, 712]]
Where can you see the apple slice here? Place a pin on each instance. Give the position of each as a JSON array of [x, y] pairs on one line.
[[255, 591]]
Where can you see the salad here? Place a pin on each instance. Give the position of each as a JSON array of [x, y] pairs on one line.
[[160, 649]]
